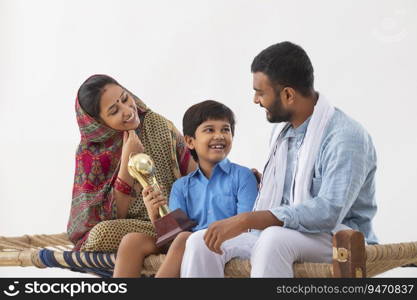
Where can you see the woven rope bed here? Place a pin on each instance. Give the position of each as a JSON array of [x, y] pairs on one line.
[[351, 257]]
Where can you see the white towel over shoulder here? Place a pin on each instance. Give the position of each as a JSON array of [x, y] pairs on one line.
[[269, 198]]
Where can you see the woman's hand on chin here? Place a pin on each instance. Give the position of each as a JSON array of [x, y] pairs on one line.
[[131, 143]]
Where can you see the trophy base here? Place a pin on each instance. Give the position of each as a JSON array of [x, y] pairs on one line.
[[170, 225]]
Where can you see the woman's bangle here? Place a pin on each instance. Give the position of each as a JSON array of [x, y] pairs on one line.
[[122, 186]]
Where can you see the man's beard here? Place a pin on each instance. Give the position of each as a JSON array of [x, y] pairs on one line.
[[277, 114]]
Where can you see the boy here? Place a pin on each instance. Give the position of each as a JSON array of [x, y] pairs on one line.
[[218, 189]]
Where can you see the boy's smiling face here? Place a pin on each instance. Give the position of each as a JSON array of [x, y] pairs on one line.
[[212, 141]]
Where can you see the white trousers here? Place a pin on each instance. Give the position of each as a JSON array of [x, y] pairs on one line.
[[271, 254]]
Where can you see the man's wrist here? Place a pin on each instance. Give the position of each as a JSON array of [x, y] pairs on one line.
[[258, 220], [244, 221]]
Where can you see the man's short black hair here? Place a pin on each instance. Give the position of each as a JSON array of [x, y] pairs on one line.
[[286, 64], [203, 111]]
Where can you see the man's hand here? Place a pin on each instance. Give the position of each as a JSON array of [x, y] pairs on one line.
[[258, 175], [223, 230]]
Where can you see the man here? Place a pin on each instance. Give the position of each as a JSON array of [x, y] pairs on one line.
[[319, 178]]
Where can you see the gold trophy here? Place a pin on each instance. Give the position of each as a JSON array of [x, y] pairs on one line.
[[170, 224]]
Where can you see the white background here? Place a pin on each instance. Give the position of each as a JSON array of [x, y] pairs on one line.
[[176, 53]]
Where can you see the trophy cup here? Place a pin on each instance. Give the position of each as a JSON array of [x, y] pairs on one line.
[[170, 224]]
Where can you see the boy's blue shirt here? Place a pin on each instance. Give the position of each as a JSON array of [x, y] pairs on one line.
[[232, 189]]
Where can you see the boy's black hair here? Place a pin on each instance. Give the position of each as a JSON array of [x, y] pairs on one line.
[[286, 64], [203, 111]]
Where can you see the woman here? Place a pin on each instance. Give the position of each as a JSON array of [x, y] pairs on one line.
[[107, 202]]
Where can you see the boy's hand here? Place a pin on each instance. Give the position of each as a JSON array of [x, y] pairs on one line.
[[153, 200], [222, 230]]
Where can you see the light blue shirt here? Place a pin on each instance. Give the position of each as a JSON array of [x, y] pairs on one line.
[[231, 189], [295, 138], [343, 186]]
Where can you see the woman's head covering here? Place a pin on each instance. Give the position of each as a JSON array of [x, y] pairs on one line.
[[96, 168]]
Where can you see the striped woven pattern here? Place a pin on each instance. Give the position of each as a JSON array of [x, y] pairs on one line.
[[101, 264], [31, 251]]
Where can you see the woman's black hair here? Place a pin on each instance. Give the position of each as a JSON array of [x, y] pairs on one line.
[[90, 92]]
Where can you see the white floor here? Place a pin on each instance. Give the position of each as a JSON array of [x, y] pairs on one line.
[[16, 272]]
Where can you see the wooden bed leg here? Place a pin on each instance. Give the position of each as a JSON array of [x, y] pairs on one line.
[[349, 257]]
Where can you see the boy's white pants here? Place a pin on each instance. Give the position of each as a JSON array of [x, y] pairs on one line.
[[271, 254]]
